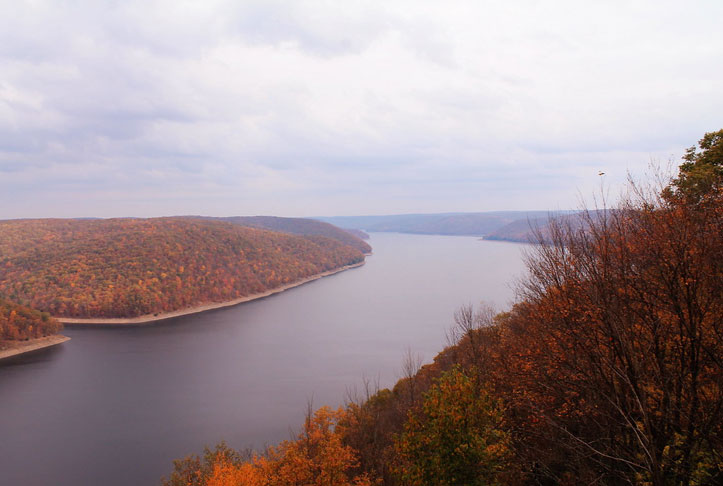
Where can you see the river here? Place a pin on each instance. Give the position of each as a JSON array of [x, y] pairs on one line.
[[115, 406]]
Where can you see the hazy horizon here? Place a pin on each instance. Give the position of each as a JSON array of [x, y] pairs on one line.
[[317, 216], [138, 109]]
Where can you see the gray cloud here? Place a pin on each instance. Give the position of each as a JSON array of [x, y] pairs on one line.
[[150, 108]]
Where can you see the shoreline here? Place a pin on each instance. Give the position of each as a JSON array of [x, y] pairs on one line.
[[19, 348], [153, 318]]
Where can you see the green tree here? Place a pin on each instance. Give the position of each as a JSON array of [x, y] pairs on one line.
[[456, 438], [702, 171]]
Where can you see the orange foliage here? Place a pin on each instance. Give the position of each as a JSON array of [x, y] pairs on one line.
[[611, 364], [18, 322], [132, 267], [316, 458], [226, 473]]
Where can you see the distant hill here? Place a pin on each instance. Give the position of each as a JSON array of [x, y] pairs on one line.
[[469, 224], [133, 267], [301, 226], [524, 230], [357, 232], [520, 230]]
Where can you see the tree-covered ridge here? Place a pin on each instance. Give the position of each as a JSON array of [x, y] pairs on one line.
[[539, 230], [18, 322], [133, 267], [302, 227]]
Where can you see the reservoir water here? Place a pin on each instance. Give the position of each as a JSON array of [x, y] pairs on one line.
[[115, 406]]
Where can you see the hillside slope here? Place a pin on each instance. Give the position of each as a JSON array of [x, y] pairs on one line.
[[133, 267], [520, 230], [302, 227], [532, 230]]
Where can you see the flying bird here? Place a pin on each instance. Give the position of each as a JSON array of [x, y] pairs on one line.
[[601, 173]]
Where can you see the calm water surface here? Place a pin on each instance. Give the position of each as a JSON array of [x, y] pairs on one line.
[[115, 406]]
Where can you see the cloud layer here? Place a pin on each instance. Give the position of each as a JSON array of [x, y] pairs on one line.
[[309, 108]]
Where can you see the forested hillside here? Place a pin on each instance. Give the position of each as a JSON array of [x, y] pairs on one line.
[[18, 322], [133, 267], [520, 230], [358, 233], [301, 226], [539, 229], [608, 370]]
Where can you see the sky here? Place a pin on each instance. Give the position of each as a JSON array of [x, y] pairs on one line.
[[295, 108]]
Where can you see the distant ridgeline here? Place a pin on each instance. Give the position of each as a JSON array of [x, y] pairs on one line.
[[493, 225], [133, 267], [303, 227]]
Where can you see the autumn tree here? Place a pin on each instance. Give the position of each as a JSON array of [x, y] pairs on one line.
[[199, 471], [613, 356], [317, 457]]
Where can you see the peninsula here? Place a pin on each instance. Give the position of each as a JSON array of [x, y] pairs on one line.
[[12, 349], [24, 330], [134, 271]]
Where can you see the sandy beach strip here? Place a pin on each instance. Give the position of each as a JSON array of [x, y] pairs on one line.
[[152, 318], [16, 348]]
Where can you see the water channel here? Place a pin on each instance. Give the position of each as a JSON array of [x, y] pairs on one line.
[[115, 406]]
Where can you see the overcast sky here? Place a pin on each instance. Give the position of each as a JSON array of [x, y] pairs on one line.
[[294, 108]]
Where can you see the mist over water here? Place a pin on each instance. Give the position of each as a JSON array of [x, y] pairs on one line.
[[115, 406]]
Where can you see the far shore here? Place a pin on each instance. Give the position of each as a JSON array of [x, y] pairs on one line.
[[153, 318], [16, 348]]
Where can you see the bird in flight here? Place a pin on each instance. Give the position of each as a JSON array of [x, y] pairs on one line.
[[601, 173]]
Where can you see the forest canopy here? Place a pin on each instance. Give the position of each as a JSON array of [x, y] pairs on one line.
[[132, 267]]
